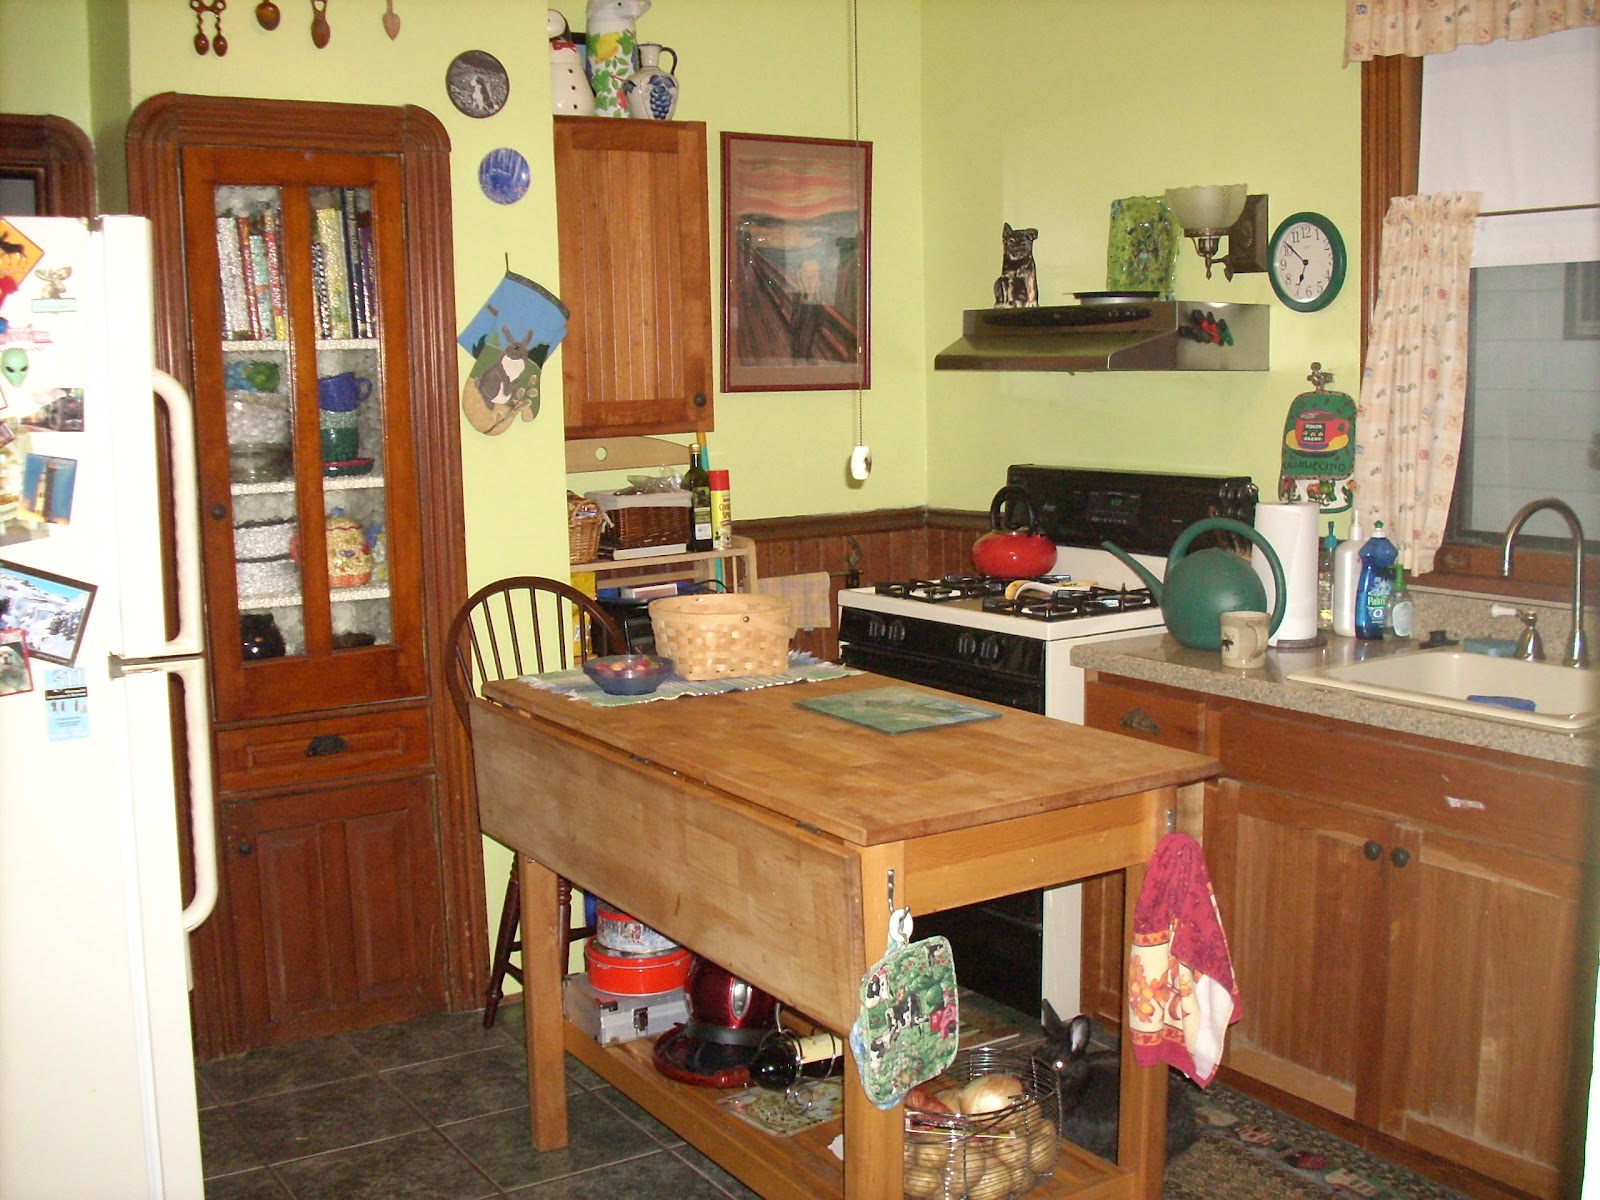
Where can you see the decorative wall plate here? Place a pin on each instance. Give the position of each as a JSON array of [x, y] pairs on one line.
[[477, 83], [504, 176]]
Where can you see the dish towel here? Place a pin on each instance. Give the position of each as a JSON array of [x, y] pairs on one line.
[[1181, 991], [810, 606]]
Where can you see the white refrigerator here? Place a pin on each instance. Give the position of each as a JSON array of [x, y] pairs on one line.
[[103, 704]]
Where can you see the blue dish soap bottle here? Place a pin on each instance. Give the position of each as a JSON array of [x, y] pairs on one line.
[[1376, 581]]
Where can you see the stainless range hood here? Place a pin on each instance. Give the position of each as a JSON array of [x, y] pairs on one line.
[[1142, 335]]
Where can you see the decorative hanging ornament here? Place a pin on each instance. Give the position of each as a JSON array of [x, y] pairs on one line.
[[267, 15], [319, 24], [216, 41]]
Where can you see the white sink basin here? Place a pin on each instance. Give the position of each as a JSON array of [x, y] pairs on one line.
[[1563, 698]]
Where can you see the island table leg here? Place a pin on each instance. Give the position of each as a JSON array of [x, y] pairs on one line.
[[542, 973], [1141, 1139]]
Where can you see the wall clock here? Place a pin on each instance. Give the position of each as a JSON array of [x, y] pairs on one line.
[[1306, 261]]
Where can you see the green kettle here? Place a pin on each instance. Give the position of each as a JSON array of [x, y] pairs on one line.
[[1200, 587]]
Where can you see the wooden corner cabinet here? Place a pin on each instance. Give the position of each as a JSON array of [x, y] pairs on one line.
[[303, 278], [1404, 918], [631, 213]]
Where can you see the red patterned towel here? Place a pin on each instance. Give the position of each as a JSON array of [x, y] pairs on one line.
[[1181, 991]]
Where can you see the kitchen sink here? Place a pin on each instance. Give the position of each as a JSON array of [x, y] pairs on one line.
[[1563, 698]]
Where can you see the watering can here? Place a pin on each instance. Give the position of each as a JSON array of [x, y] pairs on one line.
[[1200, 587]]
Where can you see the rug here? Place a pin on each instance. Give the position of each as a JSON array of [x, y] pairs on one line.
[[1251, 1151]]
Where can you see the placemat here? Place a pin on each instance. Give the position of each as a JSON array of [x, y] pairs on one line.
[[803, 668]]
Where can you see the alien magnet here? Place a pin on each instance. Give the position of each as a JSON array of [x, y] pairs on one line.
[[14, 365]]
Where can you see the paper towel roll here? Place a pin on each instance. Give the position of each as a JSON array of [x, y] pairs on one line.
[[1291, 530]]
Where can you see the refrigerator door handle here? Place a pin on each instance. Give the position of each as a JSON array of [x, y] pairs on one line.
[[185, 513]]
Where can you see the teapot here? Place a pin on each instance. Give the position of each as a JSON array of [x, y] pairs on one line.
[[1010, 551], [1200, 587]]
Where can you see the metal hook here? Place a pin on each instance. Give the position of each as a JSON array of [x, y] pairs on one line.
[[891, 889]]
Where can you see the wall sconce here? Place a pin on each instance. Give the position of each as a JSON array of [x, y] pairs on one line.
[[1210, 214]]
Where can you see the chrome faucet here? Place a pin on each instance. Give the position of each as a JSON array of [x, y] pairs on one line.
[[1577, 649]]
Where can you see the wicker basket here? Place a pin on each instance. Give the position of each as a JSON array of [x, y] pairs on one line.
[[723, 635], [996, 1156], [583, 529], [639, 522]]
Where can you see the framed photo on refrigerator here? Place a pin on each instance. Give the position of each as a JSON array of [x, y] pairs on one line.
[[796, 256], [50, 610]]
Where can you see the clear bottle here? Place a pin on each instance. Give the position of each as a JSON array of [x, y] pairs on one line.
[[1376, 581], [1346, 573], [697, 482], [1325, 549], [1400, 610]]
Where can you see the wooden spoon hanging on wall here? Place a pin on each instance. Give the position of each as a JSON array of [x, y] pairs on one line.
[[319, 24], [391, 21], [267, 15]]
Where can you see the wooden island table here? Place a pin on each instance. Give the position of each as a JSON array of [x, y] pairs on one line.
[[764, 836]]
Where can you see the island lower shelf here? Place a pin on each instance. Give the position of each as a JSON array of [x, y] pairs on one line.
[[801, 1167]]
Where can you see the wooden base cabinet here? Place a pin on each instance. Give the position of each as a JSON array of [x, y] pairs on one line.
[[303, 282], [1403, 917]]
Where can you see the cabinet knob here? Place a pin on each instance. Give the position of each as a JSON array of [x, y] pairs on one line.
[[1373, 851], [246, 849], [1137, 718], [699, 399], [218, 511], [1399, 856], [327, 743]]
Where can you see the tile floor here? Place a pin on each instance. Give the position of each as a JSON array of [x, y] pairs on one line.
[[433, 1108]]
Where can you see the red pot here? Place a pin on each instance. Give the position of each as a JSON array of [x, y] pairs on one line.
[[1012, 550]]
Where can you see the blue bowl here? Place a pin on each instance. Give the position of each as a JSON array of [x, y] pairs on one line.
[[628, 674]]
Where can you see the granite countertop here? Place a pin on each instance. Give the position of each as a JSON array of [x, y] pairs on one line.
[[1161, 659]]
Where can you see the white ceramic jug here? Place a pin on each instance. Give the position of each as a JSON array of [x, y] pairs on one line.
[[652, 89], [610, 41], [569, 86]]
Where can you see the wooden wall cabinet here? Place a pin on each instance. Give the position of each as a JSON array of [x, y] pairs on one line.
[[303, 276], [1403, 917], [631, 212]]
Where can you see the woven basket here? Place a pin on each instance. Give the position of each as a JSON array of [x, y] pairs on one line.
[[583, 529], [639, 522], [723, 636]]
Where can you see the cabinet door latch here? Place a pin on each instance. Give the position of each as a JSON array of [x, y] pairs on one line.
[[326, 743]]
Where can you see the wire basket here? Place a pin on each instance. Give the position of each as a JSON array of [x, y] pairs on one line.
[[994, 1156], [583, 529], [722, 635]]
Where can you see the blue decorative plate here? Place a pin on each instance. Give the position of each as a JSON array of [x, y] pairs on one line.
[[503, 175]]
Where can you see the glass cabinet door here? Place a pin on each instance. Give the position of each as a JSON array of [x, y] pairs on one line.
[[313, 397]]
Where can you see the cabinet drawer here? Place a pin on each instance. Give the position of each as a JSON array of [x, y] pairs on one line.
[[1541, 811], [1171, 720], [279, 755]]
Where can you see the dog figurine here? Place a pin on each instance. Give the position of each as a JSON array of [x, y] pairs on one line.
[[1018, 285]]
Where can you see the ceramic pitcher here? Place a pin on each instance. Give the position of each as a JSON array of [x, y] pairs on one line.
[[569, 84], [652, 89], [610, 41]]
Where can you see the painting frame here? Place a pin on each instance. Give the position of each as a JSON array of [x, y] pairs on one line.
[[795, 311]]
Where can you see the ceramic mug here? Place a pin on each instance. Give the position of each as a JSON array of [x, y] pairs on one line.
[[341, 440], [343, 392], [1244, 639]]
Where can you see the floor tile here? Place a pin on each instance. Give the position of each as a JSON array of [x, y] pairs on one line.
[[417, 1166], [597, 1135], [314, 1120], [465, 1085], [716, 1174], [654, 1177], [638, 1116], [247, 1185], [281, 1069], [225, 1147], [425, 1039]]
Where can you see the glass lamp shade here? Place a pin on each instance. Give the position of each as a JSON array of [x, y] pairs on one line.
[[1206, 209]]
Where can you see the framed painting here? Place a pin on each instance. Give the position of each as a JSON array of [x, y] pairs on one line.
[[796, 252]]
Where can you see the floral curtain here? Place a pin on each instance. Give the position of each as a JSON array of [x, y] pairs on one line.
[[1419, 27], [1414, 382]]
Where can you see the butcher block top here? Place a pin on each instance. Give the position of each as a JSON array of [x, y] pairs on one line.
[[857, 783]]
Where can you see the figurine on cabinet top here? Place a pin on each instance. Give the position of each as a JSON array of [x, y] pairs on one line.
[[1018, 285], [569, 86]]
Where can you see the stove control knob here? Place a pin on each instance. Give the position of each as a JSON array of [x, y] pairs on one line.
[[989, 649], [876, 628], [897, 631], [966, 644]]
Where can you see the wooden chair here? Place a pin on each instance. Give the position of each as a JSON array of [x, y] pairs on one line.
[[524, 625]]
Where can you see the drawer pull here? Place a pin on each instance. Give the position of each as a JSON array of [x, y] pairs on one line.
[[1373, 851], [1399, 856], [246, 849], [326, 743], [1138, 719]]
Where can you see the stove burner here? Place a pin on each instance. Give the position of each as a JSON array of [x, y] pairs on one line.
[[1069, 603], [952, 587]]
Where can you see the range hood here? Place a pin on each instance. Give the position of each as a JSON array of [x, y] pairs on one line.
[[1137, 335]]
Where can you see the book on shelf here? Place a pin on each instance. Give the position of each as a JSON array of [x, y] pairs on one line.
[[336, 271], [262, 278], [352, 258], [230, 271], [369, 276], [247, 271], [272, 239], [319, 288]]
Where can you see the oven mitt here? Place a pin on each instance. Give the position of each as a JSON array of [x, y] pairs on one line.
[[907, 1029], [510, 338]]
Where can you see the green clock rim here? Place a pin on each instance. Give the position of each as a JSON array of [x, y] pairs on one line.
[[1335, 284]]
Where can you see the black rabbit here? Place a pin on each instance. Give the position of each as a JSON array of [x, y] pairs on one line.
[[1091, 1089]]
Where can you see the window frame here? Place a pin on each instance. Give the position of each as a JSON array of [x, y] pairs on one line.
[[1391, 134]]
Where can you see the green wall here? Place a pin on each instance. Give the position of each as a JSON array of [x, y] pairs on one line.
[[1040, 113]]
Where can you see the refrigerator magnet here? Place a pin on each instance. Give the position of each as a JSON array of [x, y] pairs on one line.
[[66, 704], [51, 610], [15, 676]]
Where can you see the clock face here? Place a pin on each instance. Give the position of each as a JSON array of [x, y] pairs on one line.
[[1307, 262]]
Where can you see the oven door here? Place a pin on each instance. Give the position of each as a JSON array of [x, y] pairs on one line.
[[999, 668]]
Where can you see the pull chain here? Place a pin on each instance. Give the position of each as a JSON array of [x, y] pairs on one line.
[[860, 457]]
